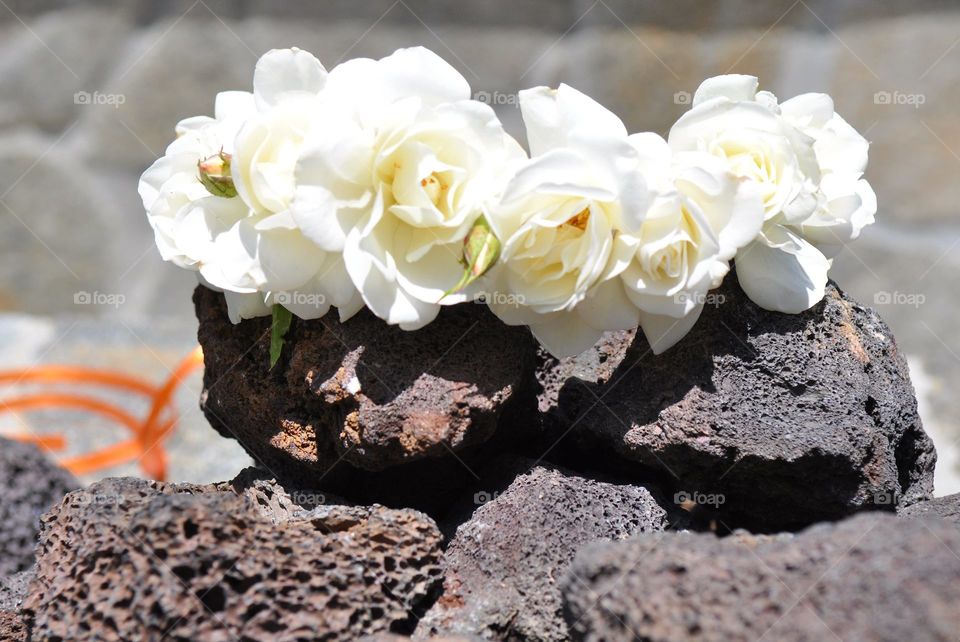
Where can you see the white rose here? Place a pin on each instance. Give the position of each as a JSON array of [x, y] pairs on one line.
[[559, 218], [400, 170], [174, 198], [846, 202], [283, 263], [701, 216], [194, 228], [808, 164], [287, 85]]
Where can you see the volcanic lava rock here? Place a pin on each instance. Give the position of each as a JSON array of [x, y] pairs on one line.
[[503, 564], [129, 559], [362, 394], [595, 365], [870, 577], [12, 591], [31, 484], [946, 508], [781, 419], [390, 637]]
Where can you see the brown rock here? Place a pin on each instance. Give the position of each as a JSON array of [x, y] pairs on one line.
[[946, 508], [503, 564], [361, 394], [13, 589], [129, 559], [781, 420], [595, 365], [871, 577], [12, 628], [390, 637]]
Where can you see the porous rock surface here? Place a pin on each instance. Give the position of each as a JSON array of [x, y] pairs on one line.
[[870, 577], [360, 393], [13, 589], [595, 365], [129, 559], [790, 418], [391, 637], [502, 566], [946, 508], [31, 484]]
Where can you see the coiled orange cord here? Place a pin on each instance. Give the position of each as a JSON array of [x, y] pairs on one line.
[[146, 444]]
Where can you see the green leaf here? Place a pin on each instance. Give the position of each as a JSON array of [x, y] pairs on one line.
[[279, 326]]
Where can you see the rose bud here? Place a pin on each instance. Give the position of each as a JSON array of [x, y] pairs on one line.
[[481, 249], [214, 173]]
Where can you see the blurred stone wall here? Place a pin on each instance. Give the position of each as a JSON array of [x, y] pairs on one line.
[[90, 91]]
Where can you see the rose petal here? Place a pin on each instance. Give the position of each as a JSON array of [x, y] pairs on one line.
[[781, 271], [565, 335], [608, 308], [730, 86], [281, 72], [663, 332], [245, 306]]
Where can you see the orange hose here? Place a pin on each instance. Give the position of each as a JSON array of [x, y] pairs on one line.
[[78, 374], [64, 400], [45, 442], [155, 459], [148, 435], [104, 458]]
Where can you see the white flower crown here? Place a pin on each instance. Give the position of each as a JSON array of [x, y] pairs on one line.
[[383, 184]]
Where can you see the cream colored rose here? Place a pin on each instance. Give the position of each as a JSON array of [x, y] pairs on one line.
[[701, 216], [807, 163], [396, 179], [559, 219], [284, 264], [194, 228]]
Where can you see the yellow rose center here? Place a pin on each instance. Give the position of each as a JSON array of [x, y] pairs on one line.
[[580, 220], [433, 187]]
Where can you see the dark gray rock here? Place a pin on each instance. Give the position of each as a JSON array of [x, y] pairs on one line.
[[946, 508], [362, 395], [783, 419], [871, 577], [13, 589], [31, 483], [129, 559], [503, 564], [595, 365]]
